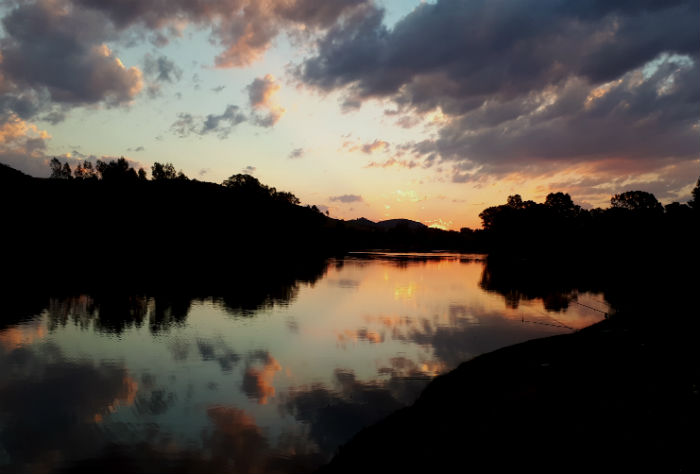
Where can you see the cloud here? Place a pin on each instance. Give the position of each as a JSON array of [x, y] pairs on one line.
[[439, 223], [23, 146], [346, 198], [257, 381], [261, 94], [243, 29], [529, 87], [217, 350], [249, 170], [54, 55], [222, 124], [594, 185], [367, 148], [407, 196], [296, 153], [161, 69], [391, 162], [376, 145]]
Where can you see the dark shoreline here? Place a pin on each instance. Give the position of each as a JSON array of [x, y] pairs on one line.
[[622, 395]]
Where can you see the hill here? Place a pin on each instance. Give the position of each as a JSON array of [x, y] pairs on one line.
[[389, 224], [9, 174]]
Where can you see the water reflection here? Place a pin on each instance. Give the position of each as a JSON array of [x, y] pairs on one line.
[[52, 407], [263, 375], [338, 411]]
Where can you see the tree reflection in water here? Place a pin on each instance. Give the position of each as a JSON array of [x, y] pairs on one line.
[[270, 371]]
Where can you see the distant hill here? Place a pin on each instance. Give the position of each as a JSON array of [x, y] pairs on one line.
[[394, 223], [389, 224], [7, 173]]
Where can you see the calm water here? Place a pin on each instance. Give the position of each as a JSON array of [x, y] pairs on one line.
[[264, 380]]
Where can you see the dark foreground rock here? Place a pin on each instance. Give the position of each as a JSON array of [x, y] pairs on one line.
[[620, 396]]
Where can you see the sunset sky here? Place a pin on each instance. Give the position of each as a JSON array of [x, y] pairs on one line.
[[430, 111]]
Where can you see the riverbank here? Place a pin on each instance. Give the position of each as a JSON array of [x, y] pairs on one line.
[[619, 396]]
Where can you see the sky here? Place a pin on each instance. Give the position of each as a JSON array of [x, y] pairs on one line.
[[429, 111]]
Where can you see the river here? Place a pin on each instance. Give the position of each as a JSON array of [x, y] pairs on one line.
[[266, 378]]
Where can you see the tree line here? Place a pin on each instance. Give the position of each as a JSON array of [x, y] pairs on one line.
[[121, 171], [635, 220], [113, 170]]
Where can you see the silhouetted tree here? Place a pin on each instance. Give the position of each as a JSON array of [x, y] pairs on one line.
[[515, 201], [694, 203], [142, 174], [161, 171], [636, 201], [288, 197], [67, 173], [677, 210], [59, 170], [56, 168], [84, 170], [116, 170], [246, 183], [562, 204]]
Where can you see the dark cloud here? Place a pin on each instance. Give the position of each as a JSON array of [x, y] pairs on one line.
[[346, 198], [54, 54], [637, 117], [217, 350], [482, 48], [317, 13], [185, 125], [530, 86], [161, 69], [296, 153], [221, 125], [54, 117]]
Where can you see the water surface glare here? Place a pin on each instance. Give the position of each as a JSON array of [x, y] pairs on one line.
[[270, 382]]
